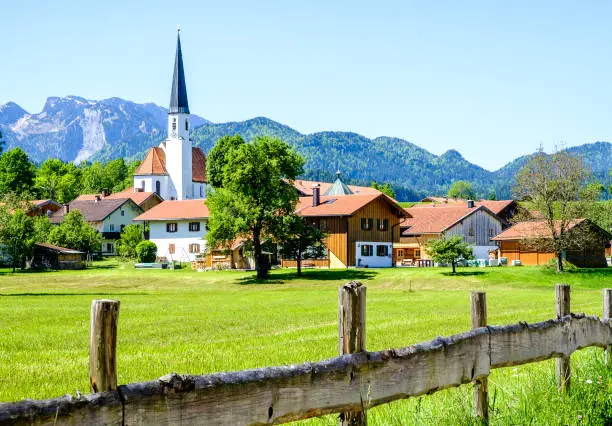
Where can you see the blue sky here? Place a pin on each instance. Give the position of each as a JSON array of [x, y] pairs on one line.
[[491, 79]]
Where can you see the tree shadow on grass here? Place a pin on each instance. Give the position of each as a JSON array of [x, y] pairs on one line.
[[313, 275], [73, 294], [463, 274]]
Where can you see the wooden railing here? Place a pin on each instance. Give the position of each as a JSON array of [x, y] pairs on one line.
[[348, 384]]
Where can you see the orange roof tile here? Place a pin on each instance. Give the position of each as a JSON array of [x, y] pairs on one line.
[[153, 164], [435, 219], [496, 206], [137, 197], [343, 205], [304, 187], [176, 210], [198, 165], [533, 229]]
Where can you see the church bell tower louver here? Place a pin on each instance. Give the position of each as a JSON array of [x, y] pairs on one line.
[[178, 145]]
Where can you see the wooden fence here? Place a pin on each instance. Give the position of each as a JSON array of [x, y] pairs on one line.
[[348, 384]]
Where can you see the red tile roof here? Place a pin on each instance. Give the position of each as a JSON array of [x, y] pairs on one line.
[[304, 187], [176, 210], [496, 206], [137, 197], [343, 205], [533, 229], [155, 164], [435, 219]]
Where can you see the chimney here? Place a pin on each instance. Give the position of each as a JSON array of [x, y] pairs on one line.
[[66, 208], [470, 204], [97, 199], [104, 192], [316, 194]]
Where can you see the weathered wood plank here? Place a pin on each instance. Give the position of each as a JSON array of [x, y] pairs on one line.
[[103, 345], [478, 313], [607, 314], [524, 343], [282, 394], [99, 409], [562, 364]]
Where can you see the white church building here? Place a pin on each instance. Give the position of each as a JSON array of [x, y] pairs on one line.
[[174, 170]]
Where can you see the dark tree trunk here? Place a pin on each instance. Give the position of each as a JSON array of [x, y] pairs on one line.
[[559, 261], [261, 266], [454, 265], [298, 261]]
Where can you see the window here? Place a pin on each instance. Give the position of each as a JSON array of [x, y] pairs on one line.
[[367, 224], [174, 124], [194, 248], [491, 232], [382, 224], [122, 212], [194, 226], [400, 253], [323, 225], [109, 247], [171, 227], [158, 187], [382, 251], [201, 191], [186, 124], [171, 248], [112, 227], [471, 232], [417, 253], [122, 226], [367, 250]]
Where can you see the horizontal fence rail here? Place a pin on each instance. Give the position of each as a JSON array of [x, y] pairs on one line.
[[347, 384]]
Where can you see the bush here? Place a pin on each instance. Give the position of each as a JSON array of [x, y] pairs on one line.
[[146, 252]]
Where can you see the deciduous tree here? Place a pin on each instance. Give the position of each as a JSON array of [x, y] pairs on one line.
[[461, 189], [75, 233], [17, 234], [385, 188], [16, 172], [301, 240], [252, 192], [131, 236], [449, 250], [555, 185]]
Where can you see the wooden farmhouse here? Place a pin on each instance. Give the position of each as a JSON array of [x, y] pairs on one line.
[[360, 228], [526, 241], [476, 224]]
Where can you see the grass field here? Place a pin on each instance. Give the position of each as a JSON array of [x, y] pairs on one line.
[[188, 322]]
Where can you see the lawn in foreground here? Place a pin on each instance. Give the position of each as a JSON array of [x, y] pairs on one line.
[[189, 322]]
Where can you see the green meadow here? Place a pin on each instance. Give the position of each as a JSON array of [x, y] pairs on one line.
[[185, 321]]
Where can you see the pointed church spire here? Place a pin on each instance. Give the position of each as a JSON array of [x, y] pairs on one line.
[[338, 187], [178, 98]]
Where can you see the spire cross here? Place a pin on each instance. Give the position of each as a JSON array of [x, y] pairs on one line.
[[178, 28]]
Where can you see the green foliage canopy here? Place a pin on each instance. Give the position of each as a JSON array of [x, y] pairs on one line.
[[253, 195], [385, 188], [301, 240], [461, 189], [17, 234], [16, 172], [146, 252], [75, 233], [131, 236], [449, 250]]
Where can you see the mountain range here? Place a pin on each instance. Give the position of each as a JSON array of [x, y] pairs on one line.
[[76, 129]]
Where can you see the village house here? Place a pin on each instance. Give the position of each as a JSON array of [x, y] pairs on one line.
[[178, 229], [48, 256], [144, 200], [525, 242], [107, 215], [504, 209], [475, 223], [360, 228]]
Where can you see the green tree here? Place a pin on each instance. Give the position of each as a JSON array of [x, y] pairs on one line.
[[449, 250], [131, 236], [75, 233], [384, 188], [1, 142], [252, 193], [115, 173], [17, 234], [301, 240], [217, 158], [146, 252], [16, 172], [556, 186], [93, 178], [461, 189], [58, 180]]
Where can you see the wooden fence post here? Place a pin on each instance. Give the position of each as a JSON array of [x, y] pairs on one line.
[[607, 314], [563, 372], [481, 392], [351, 335], [103, 345]]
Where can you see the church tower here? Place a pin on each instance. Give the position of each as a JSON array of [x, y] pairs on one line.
[[178, 145]]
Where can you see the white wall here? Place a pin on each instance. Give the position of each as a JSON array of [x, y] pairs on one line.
[[166, 188], [373, 261], [181, 239], [116, 219]]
